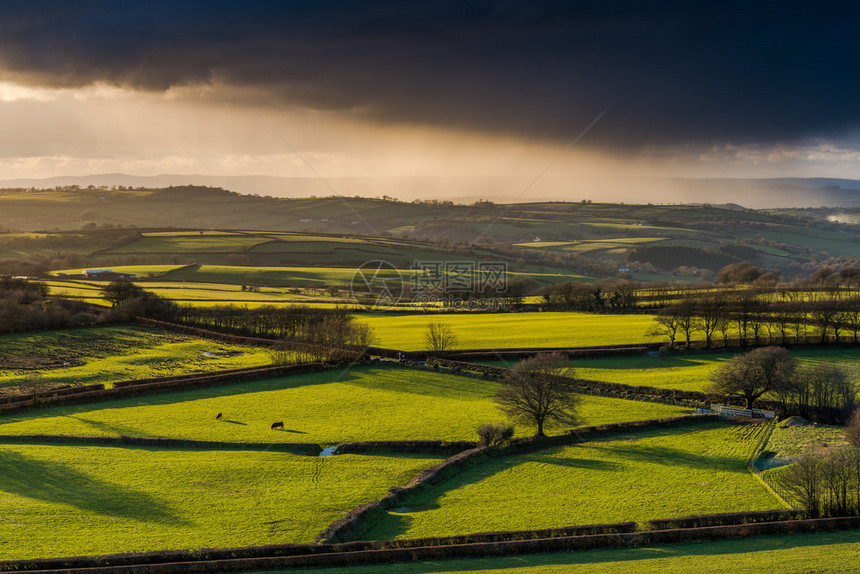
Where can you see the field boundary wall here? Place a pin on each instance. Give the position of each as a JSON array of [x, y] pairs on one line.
[[123, 389], [359, 518], [356, 554]]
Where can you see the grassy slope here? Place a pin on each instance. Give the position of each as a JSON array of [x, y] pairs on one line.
[[826, 553], [499, 331], [108, 354], [211, 209], [365, 403], [658, 474], [150, 499], [787, 443], [687, 372]]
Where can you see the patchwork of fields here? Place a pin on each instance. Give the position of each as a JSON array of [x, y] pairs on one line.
[[93, 499], [150, 498]]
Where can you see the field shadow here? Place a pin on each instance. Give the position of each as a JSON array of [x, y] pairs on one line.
[[571, 462], [60, 484], [232, 422], [424, 383], [175, 397], [388, 527], [675, 457], [646, 364], [108, 428], [624, 560]]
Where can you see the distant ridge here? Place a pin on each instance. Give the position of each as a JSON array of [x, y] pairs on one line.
[[737, 192]]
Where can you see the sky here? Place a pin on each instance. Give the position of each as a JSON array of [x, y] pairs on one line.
[[551, 93]]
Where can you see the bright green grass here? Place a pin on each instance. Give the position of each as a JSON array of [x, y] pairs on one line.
[[687, 372], [787, 443], [316, 304], [655, 474], [189, 233], [509, 330], [209, 293], [66, 501], [822, 553], [73, 289], [108, 354], [221, 293], [363, 403]]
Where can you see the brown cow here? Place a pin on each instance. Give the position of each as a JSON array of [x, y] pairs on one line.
[[278, 425], [218, 416]]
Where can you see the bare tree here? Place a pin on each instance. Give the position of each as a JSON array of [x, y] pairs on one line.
[[439, 337], [751, 375], [804, 481], [710, 311], [852, 429], [667, 326], [535, 393]]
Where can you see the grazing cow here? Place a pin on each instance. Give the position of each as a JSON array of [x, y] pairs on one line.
[[218, 416], [278, 425]]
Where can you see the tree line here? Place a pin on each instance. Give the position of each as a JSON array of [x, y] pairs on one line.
[[824, 392], [26, 306], [756, 316], [310, 334], [827, 482]]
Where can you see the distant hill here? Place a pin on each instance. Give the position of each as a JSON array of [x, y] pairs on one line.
[[592, 238], [750, 193]]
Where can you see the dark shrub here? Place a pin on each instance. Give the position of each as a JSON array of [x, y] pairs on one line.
[[494, 434]]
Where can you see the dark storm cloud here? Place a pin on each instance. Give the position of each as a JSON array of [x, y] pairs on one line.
[[677, 73]]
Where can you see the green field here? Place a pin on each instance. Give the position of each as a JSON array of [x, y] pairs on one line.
[[824, 553], [512, 330], [362, 403], [786, 443], [689, 372], [109, 354], [686, 372], [64, 501], [654, 474]]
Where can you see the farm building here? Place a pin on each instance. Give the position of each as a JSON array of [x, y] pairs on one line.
[[106, 274]]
